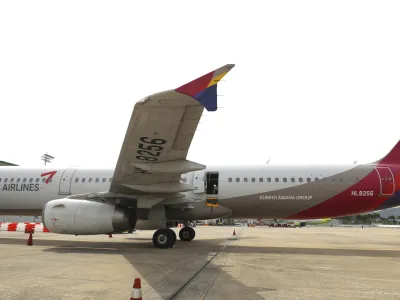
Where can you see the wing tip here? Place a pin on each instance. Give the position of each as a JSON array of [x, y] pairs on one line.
[[204, 88]]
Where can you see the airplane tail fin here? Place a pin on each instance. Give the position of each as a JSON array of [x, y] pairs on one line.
[[4, 163], [393, 157]]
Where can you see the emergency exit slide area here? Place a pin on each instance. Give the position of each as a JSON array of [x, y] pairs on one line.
[[212, 183]]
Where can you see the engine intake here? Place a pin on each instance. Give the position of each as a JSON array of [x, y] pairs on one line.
[[82, 217]]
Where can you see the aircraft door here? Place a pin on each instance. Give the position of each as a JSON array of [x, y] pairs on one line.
[[386, 179], [199, 182], [65, 182]]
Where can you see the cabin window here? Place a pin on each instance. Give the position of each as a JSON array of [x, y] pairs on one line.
[[253, 179], [261, 179], [229, 179], [5, 179], [83, 180], [30, 179], [245, 179], [44, 180], [300, 179], [292, 179], [357, 179], [12, 180], [90, 179], [316, 179], [97, 179], [237, 179], [76, 179], [51, 180], [0, 179], [110, 179], [341, 179], [284, 179], [24, 180], [19, 179], [308, 179], [184, 179], [276, 179], [37, 179], [104, 179], [269, 179]]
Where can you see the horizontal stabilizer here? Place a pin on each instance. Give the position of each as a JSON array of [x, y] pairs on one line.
[[163, 187], [175, 166]]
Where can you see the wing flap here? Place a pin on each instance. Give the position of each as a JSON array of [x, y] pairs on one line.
[[175, 166], [162, 187]]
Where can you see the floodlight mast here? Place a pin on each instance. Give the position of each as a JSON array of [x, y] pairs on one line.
[[47, 158]]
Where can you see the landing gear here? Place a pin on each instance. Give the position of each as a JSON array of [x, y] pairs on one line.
[[164, 238], [187, 234]]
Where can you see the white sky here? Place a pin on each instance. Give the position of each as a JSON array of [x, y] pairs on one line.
[[314, 82]]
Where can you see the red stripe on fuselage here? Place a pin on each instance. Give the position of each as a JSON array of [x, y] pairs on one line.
[[346, 203]]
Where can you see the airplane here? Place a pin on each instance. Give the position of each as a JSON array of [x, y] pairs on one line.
[[154, 186], [302, 223], [298, 223]]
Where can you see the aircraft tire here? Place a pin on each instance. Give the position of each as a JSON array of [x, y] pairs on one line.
[[163, 238], [173, 236], [187, 234]]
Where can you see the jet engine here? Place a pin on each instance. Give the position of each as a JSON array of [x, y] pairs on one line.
[[82, 217]]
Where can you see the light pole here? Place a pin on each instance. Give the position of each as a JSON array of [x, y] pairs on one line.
[[47, 158]]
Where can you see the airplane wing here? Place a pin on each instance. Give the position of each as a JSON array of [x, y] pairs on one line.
[[159, 134]]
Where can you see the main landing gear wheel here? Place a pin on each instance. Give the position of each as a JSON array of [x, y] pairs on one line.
[[164, 238], [173, 236], [187, 234]]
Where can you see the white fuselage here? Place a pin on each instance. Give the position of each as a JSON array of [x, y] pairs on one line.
[[23, 191]]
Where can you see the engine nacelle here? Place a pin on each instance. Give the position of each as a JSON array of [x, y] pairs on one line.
[[81, 217]]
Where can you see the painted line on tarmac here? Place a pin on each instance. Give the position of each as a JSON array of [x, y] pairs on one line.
[[178, 291]]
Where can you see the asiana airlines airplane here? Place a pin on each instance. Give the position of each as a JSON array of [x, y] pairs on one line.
[[153, 185]]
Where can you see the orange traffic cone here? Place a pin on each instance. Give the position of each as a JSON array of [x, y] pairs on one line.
[[137, 290], [30, 239], [233, 237]]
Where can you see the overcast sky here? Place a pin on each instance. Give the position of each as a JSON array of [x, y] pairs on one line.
[[314, 82]]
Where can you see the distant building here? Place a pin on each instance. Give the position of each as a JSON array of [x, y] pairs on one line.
[[4, 163], [19, 219]]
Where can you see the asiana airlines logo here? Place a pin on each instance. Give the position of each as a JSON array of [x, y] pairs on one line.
[[27, 187]]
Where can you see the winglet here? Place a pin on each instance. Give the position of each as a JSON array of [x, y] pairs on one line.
[[204, 88]]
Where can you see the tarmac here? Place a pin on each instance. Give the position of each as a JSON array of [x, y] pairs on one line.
[[262, 263]]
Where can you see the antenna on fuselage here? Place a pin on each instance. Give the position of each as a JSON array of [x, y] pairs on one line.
[[47, 158]]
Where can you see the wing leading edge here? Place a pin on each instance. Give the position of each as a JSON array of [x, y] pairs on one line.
[[159, 134]]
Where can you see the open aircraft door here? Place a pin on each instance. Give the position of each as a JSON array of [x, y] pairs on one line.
[[386, 179], [199, 182], [66, 181]]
